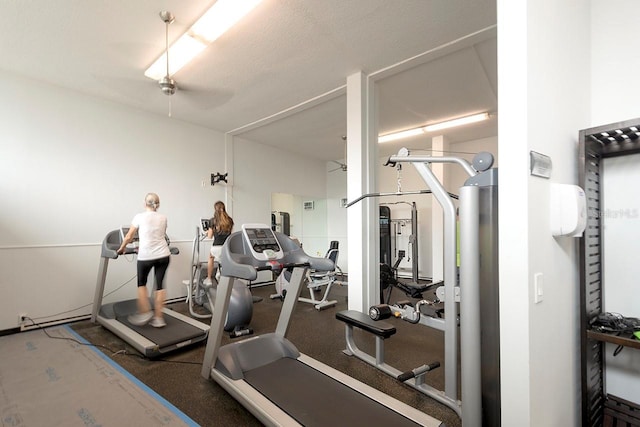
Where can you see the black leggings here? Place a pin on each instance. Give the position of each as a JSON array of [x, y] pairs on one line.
[[160, 267]]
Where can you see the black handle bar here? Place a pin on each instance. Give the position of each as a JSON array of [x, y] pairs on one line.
[[418, 371], [278, 266]]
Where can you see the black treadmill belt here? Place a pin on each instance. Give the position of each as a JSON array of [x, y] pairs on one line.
[[175, 332], [315, 399]]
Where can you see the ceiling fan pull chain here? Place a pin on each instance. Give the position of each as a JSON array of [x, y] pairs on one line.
[[399, 168], [169, 107]]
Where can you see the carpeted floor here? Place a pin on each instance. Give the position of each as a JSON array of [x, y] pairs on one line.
[[49, 378], [318, 334]]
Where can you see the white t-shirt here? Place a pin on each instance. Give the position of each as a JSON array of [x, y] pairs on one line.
[[152, 227]]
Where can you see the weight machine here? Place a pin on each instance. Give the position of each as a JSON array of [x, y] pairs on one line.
[[467, 306]]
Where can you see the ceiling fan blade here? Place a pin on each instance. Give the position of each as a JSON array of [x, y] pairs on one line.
[[202, 97], [122, 53], [141, 90]]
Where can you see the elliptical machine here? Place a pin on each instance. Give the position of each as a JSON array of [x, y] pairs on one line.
[[241, 302]]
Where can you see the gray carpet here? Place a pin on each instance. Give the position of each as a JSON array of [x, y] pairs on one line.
[[48, 378]]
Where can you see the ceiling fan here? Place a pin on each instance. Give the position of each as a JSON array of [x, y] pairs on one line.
[[342, 166], [202, 97], [166, 83], [198, 96]]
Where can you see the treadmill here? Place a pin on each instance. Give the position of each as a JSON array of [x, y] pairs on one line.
[[179, 332], [266, 373]]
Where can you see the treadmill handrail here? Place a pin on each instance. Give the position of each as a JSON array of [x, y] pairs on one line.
[[110, 246], [112, 242]]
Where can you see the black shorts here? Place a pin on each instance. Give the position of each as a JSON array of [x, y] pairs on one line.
[[160, 268]]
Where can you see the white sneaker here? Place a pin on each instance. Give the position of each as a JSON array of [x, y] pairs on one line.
[[158, 322], [207, 282], [140, 319]]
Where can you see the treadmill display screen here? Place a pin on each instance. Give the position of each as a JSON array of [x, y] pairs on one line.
[[205, 224], [261, 240], [263, 243], [124, 230]]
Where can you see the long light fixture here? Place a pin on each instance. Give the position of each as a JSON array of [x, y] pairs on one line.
[[433, 127], [211, 25]]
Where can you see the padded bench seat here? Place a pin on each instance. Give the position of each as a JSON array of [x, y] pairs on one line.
[[362, 321]]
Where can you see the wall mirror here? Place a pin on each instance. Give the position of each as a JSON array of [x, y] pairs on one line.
[[303, 218]]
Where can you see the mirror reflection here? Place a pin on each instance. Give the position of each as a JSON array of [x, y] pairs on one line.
[[303, 218]]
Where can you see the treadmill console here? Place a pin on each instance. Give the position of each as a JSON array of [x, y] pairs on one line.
[[262, 242], [124, 230], [205, 224]]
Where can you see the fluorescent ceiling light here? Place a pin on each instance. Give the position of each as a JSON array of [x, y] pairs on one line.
[[399, 135], [215, 21], [434, 127], [457, 122], [180, 53], [222, 15]]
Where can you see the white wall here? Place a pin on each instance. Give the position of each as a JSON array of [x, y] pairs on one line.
[[74, 167], [309, 226], [614, 63], [261, 170], [543, 57], [336, 214]]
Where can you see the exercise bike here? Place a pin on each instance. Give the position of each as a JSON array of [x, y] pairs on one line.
[[241, 302], [314, 280]]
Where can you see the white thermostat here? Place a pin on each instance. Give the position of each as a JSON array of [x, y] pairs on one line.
[[568, 210]]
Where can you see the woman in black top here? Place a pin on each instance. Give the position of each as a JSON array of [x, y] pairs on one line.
[[220, 229]]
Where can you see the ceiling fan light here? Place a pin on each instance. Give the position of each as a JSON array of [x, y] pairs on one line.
[[181, 52], [167, 85], [222, 16]]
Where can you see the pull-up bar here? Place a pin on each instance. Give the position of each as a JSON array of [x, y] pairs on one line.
[[401, 193]]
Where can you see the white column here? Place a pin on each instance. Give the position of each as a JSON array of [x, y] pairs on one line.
[[228, 168], [362, 218], [518, 352], [438, 146]]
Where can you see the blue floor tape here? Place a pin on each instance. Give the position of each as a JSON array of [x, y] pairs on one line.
[[178, 413]]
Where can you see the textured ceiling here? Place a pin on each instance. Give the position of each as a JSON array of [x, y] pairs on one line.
[[284, 53]]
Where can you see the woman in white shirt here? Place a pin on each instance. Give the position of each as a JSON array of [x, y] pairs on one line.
[[153, 252]]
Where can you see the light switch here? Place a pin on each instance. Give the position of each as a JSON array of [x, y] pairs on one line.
[[538, 290]]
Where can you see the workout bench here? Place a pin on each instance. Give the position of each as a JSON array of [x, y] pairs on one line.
[[381, 331]]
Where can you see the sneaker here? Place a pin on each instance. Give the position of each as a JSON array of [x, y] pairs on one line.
[[207, 282], [140, 319], [158, 322]]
